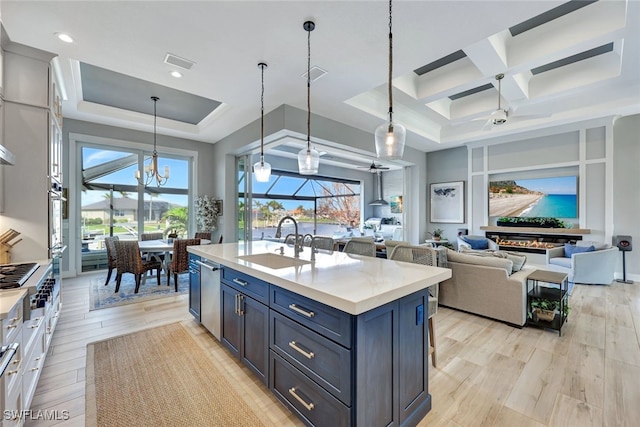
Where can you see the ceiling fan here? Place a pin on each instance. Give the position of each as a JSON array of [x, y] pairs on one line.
[[501, 115], [373, 167]]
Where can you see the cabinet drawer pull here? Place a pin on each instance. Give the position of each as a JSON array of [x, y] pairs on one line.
[[308, 355], [12, 372], [12, 326], [240, 281], [35, 369], [301, 311], [292, 392], [236, 303]]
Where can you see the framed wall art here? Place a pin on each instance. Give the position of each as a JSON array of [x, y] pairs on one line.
[[447, 202], [396, 204]]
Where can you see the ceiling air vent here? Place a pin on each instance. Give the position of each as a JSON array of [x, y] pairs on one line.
[[316, 73], [178, 62]]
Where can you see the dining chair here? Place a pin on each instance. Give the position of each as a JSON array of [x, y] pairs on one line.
[[129, 260], [179, 259], [151, 236], [203, 235], [360, 247], [390, 244], [426, 256], [323, 242], [111, 255]]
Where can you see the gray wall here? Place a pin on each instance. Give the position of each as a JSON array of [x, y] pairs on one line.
[[626, 194]]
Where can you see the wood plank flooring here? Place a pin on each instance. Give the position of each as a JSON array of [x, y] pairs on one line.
[[489, 374]]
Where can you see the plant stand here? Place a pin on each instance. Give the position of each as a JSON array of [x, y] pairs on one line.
[[556, 290]]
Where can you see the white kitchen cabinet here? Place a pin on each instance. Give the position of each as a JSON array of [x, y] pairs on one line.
[[33, 185]]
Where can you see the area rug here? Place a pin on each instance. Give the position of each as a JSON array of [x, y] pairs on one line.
[[102, 296], [159, 377]]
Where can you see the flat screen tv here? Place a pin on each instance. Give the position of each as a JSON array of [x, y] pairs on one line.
[[554, 197]]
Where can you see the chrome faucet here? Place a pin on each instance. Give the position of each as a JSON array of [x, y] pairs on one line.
[[297, 244]]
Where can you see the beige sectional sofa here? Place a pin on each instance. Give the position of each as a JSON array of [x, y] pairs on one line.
[[486, 285]]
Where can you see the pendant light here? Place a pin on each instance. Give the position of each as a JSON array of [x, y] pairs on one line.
[[262, 169], [151, 170], [308, 158], [390, 136]]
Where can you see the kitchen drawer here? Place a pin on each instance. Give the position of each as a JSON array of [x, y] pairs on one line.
[[327, 321], [13, 374], [311, 402], [32, 364], [12, 323], [246, 284], [31, 329], [12, 406], [326, 362]]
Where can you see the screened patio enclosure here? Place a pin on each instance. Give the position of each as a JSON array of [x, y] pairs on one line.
[[113, 203], [324, 206]]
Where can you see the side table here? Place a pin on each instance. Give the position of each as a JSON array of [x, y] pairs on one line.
[[555, 291], [436, 243]]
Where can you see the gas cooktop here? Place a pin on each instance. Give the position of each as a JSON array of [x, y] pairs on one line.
[[15, 275]]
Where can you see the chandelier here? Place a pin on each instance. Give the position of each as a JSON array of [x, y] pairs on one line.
[[390, 136], [262, 169], [151, 169], [308, 158]]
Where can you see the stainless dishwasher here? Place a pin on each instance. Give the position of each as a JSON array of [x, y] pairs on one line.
[[210, 296]]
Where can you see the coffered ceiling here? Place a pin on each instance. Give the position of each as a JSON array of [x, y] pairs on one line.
[[561, 63]]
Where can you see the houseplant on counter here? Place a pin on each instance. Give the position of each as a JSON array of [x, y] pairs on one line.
[[437, 234]]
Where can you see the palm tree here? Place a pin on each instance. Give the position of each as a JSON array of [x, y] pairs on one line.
[[177, 219]]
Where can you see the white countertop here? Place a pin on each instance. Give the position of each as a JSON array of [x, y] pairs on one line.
[[10, 297], [351, 283]]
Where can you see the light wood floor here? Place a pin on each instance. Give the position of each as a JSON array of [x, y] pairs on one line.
[[488, 374]]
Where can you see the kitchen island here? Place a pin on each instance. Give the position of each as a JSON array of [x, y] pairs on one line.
[[340, 341]]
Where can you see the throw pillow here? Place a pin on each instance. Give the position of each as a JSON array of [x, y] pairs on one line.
[[518, 260], [570, 249], [597, 245], [476, 243]]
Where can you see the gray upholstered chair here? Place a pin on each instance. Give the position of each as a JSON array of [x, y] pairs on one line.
[[390, 244], [426, 256], [322, 242], [360, 247], [595, 267]]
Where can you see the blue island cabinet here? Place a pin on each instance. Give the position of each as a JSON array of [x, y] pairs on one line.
[[244, 325], [336, 369]]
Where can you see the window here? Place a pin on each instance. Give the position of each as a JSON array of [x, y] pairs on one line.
[[320, 205]]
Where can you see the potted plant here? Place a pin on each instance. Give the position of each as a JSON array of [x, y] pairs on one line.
[[545, 310], [437, 234]]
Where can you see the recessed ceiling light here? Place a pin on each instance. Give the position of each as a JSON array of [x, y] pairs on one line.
[[176, 74], [65, 37]]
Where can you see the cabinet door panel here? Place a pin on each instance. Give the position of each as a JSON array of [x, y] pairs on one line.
[[231, 326], [414, 357], [255, 349]]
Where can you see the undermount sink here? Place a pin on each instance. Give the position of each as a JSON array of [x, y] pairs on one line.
[[274, 261]]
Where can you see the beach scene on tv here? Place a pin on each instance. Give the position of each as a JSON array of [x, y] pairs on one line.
[[541, 197]]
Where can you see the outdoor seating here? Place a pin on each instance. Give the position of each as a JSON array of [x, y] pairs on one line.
[[129, 260]]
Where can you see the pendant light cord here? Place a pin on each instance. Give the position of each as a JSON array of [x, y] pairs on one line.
[[155, 119], [309, 90], [390, 65], [262, 66]]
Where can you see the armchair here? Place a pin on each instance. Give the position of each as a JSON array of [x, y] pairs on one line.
[[595, 267], [476, 242]]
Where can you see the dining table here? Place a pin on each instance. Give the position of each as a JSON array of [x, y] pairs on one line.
[[164, 246]]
